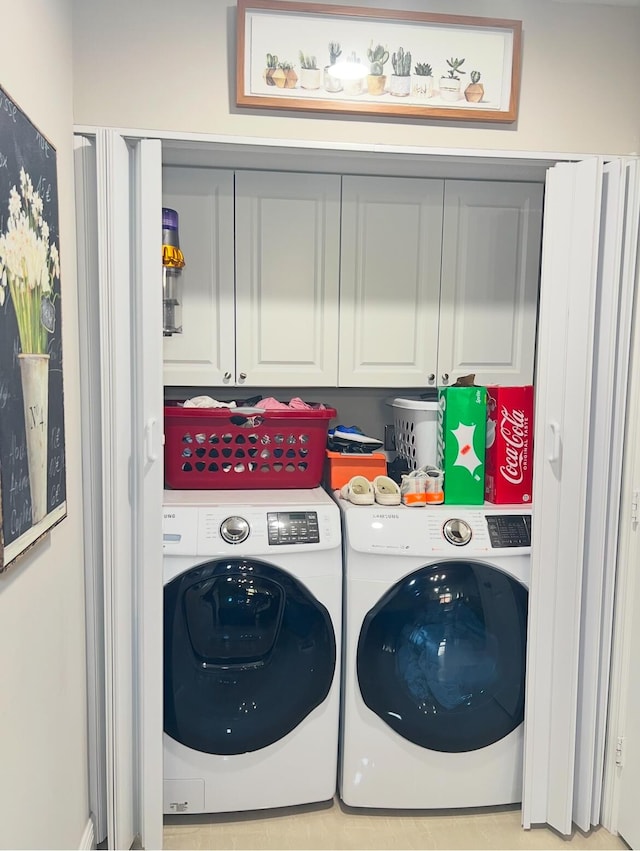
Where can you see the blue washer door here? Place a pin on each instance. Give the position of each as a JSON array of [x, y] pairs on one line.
[[441, 657], [249, 652]]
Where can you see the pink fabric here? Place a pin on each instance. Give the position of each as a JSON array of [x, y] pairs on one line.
[[271, 404], [296, 404]]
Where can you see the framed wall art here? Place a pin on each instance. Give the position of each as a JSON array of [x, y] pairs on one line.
[[308, 56], [32, 437]]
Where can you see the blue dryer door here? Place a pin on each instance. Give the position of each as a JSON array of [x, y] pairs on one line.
[[249, 652], [441, 657]]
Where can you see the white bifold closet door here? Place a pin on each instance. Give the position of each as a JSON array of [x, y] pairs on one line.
[[621, 812], [119, 201], [588, 264]]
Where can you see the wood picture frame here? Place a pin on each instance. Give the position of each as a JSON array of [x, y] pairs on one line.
[[33, 493], [316, 57]]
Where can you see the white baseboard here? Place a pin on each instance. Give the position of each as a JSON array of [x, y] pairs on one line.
[[87, 843]]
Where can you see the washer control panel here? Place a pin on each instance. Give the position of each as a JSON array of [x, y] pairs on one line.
[[249, 530], [293, 527]]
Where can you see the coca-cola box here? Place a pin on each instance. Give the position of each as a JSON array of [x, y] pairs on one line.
[[509, 453]]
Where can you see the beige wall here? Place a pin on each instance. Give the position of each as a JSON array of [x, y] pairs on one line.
[[154, 64], [43, 716]]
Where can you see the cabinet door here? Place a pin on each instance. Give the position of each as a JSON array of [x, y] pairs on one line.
[[287, 278], [490, 274], [390, 281], [204, 353]]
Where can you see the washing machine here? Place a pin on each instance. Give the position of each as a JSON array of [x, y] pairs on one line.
[[434, 643], [252, 628]]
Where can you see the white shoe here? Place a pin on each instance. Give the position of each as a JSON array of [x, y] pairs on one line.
[[434, 484], [413, 488], [386, 491], [359, 491]]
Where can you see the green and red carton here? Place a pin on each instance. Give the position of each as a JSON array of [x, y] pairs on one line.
[[462, 422]]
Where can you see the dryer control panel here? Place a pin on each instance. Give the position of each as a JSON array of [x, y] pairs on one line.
[[443, 530], [509, 530]]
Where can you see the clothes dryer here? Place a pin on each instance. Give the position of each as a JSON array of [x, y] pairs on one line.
[[434, 649], [252, 623]]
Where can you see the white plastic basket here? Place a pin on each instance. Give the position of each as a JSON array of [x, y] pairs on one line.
[[415, 424]]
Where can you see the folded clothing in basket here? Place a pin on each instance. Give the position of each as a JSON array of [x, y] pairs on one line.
[[268, 404], [206, 402]]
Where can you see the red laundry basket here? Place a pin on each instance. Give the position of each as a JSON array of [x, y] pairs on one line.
[[242, 448]]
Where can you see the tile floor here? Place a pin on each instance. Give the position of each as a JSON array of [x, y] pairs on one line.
[[335, 826]]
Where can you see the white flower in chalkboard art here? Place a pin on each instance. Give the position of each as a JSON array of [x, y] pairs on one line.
[[29, 264]]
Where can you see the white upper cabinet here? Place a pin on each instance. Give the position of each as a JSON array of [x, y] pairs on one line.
[[261, 277], [427, 297], [489, 286], [295, 279], [287, 278], [204, 353], [389, 280]]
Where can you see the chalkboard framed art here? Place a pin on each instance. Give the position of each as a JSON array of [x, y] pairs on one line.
[[32, 438]]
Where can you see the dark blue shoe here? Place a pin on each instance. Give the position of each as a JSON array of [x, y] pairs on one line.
[[351, 439]]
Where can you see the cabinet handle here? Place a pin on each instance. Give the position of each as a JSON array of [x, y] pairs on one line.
[[243, 376], [445, 377], [431, 377], [227, 376]]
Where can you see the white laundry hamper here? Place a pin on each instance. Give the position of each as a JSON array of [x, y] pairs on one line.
[[415, 424]]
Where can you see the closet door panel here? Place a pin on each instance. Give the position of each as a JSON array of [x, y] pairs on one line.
[[561, 666], [147, 471]]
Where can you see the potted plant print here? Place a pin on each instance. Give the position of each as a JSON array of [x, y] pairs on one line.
[[422, 81], [309, 72], [272, 64], [400, 82], [29, 264], [284, 76], [475, 90], [353, 76], [377, 79], [450, 85], [331, 82]]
